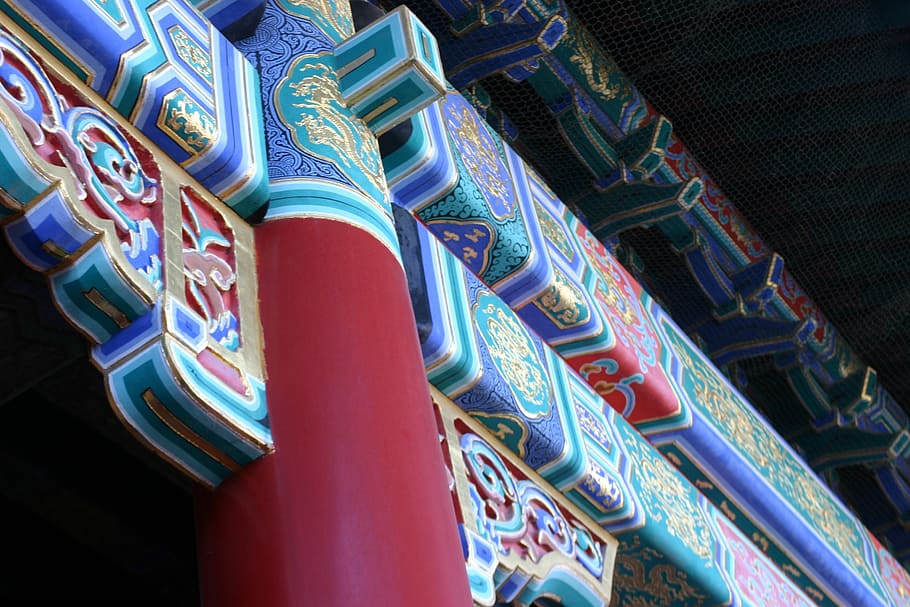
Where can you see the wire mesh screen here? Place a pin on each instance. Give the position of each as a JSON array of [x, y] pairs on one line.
[[800, 110]]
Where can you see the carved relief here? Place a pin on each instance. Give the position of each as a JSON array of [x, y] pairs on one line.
[[159, 277], [522, 540]]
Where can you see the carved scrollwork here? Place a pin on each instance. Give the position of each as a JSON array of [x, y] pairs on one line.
[[522, 540], [100, 212]]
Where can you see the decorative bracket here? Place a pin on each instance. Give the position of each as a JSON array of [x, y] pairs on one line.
[[154, 271], [165, 68], [522, 540]]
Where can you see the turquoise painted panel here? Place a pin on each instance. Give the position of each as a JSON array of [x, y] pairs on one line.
[[97, 299], [481, 216], [479, 354], [572, 292], [309, 103]]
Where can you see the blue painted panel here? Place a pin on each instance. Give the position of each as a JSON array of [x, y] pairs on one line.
[[165, 68]]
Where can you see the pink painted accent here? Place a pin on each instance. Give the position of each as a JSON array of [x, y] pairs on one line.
[[897, 580], [208, 259], [224, 371], [758, 580]]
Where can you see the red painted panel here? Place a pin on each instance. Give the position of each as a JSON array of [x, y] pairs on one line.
[[353, 507]]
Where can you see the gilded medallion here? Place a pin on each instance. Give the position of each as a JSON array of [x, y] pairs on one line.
[[514, 355], [480, 156], [310, 105]]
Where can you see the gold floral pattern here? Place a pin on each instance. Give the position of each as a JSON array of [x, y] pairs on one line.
[[563, 303], [593, 427], [333, 17], [324, 121], [480, 156], [514, 355], [644, 578], [554, 234], [669, 499], [602, 487], [192, 54], [602, 76], [751, 436], [186, 122]]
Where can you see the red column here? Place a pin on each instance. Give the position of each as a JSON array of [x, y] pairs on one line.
[[353, 507]]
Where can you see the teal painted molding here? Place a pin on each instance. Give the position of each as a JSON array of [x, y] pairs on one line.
[[390, 70]]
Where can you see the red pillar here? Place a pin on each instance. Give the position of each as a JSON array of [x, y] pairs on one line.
[[353, 507]]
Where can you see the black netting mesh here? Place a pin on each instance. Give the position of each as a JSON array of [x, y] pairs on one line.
[[863, 491], [800, 110]]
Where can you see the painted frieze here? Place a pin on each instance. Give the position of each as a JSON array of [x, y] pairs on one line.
[[155, 272], [742, 302], [758, 308], [323, 161], [897, 582], [592, 455], [511, 230], [641, 169], [629, 149], [642, 375], [723, 445], [174, 76]]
